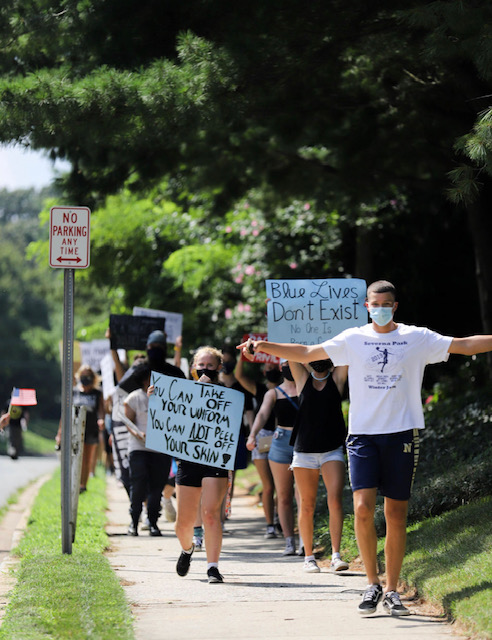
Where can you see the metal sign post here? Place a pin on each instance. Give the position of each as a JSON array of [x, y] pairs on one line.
[[69, 250]]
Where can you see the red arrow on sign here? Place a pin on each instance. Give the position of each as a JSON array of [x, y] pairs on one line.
[[60, 259]]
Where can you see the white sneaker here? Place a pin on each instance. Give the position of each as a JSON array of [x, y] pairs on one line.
[[169, 510], [198, 542], [270, 532], [310, 566], [337, 564], [146, 525], [290, 547]]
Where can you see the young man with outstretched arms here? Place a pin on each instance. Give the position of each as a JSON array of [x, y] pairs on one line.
[[386, 363]]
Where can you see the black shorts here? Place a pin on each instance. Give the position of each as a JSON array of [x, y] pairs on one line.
[[191, 474]]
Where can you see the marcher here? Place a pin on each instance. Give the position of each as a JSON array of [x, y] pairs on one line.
[[15, 419], [386, 363], [87, 394], [283, 401], [149, 469], [195, 482], [273, 375], [318, 438]]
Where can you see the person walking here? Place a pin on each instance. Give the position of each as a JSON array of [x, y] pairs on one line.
[[318, 438], [386, 363]]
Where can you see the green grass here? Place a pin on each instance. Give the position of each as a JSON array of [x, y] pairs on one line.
[[62, 596], [39, 439], [449, 560]]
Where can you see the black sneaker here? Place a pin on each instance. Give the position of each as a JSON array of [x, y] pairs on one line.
[[372, 595], [214, 576], [154, 531], [184, 561], [132, 530], [393, 606]]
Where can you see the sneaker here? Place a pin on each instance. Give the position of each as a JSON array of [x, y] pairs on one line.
[[146, 525], [270, 532], [214, 576], [183, 563], [310, 566], [370, 599], [154, 531], [290, 547], [337, 564], [198, 543], [132, 530], [301, 552], [393, 606], [169, 510]]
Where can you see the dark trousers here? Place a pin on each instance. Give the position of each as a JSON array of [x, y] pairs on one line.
[[149, 471]]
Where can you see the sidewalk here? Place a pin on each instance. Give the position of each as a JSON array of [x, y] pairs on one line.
[[264, 595]]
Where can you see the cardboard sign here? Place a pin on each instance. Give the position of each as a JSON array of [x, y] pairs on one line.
[[194, 421], [131, 332], [313, 310], [174, 321], [259, 357]]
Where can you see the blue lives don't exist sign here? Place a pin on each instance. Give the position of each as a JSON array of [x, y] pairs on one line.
[[194, 421], [310, 311]]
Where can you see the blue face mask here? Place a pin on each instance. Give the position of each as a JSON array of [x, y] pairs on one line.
[[381, 315]]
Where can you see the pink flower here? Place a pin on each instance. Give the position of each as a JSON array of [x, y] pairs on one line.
[[238, 279], [256, 232], [243, 232], [249, 271], [247, 308], [228, 229], [293, 265], [240, 307], [228, 314], [307, 206], [254, 223]]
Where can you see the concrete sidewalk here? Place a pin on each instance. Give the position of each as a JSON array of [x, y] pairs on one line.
[[264, 594]]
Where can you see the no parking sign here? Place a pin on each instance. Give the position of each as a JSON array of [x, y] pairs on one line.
[[69, 237]]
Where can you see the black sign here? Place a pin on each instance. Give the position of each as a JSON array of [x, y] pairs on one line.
[[131, 332]]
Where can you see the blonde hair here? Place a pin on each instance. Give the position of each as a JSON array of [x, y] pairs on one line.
[[87, 367], [211, 351]]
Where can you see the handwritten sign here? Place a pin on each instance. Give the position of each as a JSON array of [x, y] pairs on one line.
[[174, 321], [313, 310], [194, 421], [131, 332], [259, 357]]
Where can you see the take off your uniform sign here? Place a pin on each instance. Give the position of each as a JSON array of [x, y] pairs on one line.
[[69, 237]]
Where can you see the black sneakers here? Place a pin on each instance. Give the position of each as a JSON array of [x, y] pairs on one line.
[[214, 576], [154, 531], [132, 530], [184, 561], [370, 599], [393, 606]]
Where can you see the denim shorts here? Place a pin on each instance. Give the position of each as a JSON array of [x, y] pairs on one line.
[[281, 451], [255, 454], [317, 460], [387, 462]]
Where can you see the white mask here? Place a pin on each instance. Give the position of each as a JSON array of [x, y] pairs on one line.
[[381, 315]]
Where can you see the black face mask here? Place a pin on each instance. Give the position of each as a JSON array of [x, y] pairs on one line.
[[320, 365], [228, 367], [273, 375], [210, 373], [86, 380], [156, 357], [287, 374]]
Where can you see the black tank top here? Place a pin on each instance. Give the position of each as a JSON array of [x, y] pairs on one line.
[[286, 409], [320, 425]]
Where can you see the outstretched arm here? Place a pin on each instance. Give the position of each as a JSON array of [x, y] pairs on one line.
[[294, 352], [244, 381], [471, 345], [300, 375]]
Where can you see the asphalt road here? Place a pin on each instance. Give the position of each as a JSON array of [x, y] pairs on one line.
[[17, 474]]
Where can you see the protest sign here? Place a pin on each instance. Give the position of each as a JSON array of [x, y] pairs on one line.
[[174, 321], [93, 352], [260, 358], [194, 421], [311, 311], [131, 332]]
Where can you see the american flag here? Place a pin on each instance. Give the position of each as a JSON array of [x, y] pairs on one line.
[[23, 397]]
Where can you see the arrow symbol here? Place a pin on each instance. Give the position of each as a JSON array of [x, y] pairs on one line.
[[60, 259]]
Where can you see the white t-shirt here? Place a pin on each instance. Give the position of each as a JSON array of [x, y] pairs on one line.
[[385, 374], [139, 402]]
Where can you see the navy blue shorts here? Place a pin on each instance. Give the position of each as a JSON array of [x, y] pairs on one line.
[[386, 462]]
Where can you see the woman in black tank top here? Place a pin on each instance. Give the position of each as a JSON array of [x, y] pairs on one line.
[[318, 439], [283, 401]]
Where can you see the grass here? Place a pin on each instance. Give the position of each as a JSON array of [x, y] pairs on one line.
[[62, 596], [39, 439]]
